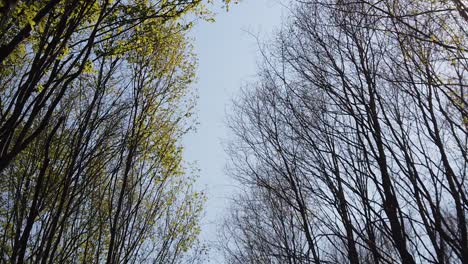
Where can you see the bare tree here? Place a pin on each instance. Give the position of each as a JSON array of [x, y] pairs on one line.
[[358, 125]]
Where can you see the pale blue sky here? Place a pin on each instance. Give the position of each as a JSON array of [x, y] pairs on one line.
[[228, 57]]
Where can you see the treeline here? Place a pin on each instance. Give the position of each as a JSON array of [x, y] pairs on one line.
[[352, 143], [94, 98]]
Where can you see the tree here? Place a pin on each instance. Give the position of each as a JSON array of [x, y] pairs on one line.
[[358, 124], [94, 98]]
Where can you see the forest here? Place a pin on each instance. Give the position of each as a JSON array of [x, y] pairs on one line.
[[349, 146]]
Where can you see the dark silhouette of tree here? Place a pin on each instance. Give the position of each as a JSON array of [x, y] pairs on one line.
[[355, 135]]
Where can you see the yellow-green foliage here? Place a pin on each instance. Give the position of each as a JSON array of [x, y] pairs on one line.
[[135, 57]]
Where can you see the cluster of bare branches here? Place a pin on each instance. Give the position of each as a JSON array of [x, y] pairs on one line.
[[352, 145]]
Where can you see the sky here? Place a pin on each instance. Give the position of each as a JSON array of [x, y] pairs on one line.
[[227, 59]]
